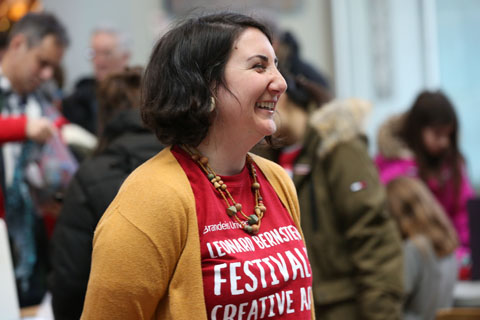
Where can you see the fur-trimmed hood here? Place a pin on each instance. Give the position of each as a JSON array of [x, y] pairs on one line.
[[339, 121], [389, 143]]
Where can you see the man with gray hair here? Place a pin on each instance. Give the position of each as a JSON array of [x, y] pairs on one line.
[[109, 53], [35, 47]]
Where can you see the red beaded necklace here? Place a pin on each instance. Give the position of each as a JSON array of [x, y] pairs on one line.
[[251, 223]]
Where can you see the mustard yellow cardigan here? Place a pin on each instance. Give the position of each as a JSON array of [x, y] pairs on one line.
[[146, 250]]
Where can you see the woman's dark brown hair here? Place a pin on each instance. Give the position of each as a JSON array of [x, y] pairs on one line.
[[117, 92], [185, 69]]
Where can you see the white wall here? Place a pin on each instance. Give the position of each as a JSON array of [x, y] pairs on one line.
[[371, 50], [311, 25], [459, 51]]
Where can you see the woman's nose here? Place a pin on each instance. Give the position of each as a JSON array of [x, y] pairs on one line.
[[278, 84], [445, 142]]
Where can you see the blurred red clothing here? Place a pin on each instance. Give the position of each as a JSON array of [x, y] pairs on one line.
[[12, 128]]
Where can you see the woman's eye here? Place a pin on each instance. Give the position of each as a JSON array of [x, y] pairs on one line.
[[259, 67]]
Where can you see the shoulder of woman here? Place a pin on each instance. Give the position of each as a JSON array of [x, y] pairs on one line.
[[419, 248], [158, 185]]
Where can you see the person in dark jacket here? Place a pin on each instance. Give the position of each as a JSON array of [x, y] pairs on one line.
[[353, 246], [81, 106], [123, 145], [110, 53]]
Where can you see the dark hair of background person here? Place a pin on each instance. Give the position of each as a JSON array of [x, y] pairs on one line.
[[304, 91], [290, 59], [119, 91], [417, 212], [431, 109], [36, 26], [308, 95], [184, 72]]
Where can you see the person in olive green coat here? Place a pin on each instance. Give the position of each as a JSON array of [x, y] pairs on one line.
[[353, 246]]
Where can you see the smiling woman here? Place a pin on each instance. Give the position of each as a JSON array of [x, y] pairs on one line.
[[210, 92], [247, 102]]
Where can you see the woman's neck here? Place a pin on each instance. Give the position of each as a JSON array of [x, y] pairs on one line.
[[226, 154], [223, 159], [226, 149]]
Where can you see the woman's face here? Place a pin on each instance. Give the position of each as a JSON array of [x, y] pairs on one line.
[[255, 83], [436, 139]]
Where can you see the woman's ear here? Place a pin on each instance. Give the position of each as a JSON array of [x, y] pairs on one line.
[[214, 89]]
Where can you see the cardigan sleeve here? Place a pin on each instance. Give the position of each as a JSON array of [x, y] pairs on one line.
[[12, 128], [128, 276], [137, 248]]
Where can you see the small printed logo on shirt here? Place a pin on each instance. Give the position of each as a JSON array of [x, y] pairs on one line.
[[225, 225], [302, 169], [358, 186]]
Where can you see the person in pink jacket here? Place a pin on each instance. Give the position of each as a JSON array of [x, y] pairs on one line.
[[423, 142]]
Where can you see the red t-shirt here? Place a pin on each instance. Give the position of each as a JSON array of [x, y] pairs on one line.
[[248, 277]]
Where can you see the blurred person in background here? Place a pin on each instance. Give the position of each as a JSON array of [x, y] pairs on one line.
[[109, 53], [123, 145], [289, 57], [423, 142], [35, 47], [80, 141], [352, 243], [13, 128], [353, 246], [19, 129], [429, 248]]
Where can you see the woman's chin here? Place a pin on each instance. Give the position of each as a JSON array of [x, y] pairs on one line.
[[270, 129]]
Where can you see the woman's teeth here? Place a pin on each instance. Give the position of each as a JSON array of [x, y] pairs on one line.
[[266, 105]]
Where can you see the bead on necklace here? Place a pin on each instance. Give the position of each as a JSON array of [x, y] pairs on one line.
[[251, 223]]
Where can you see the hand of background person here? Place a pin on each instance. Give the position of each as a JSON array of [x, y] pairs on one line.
[[40, 129]]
